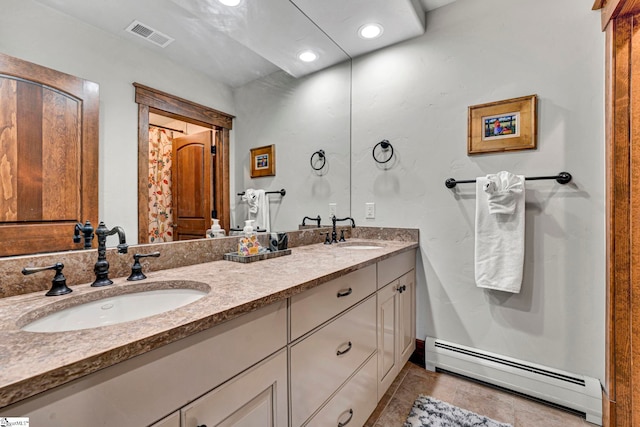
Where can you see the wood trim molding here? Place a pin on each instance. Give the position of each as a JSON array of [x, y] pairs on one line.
[[143, 172], [181, 107], [418, 355], [152, 100], [622, 126], [612, 9]]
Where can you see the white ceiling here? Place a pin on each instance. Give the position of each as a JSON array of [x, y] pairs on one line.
[[238, 45]]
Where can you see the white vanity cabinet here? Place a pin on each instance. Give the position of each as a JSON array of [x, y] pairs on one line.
[[324, 357], [144, 389], [257, 397], [396, 317], [333, 331]]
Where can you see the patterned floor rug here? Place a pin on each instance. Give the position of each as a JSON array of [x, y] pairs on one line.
[[430, 412]]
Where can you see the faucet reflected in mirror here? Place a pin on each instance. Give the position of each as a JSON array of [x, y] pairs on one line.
[[101, 267], [317, 219], [87, 231]]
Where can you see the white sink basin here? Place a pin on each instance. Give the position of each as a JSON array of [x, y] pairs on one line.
[[359, 246], [114, 309]]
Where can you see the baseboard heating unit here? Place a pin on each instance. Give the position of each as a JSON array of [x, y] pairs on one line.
[[577, 392]]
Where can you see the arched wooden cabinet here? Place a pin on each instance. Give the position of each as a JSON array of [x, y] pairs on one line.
[[48, 157]]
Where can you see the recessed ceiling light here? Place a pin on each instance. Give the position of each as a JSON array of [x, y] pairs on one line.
[[370, 31], [307, 56], [230, 2]]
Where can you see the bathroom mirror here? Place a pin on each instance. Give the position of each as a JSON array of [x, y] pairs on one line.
[[298, 115]]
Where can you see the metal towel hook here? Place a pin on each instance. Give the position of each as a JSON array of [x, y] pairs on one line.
[[321, 157], [385, 145]]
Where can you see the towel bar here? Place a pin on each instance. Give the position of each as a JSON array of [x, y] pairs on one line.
[[562, 178], [281, 192]]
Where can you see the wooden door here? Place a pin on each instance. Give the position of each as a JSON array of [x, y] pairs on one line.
[[191, 176], [48, 157]]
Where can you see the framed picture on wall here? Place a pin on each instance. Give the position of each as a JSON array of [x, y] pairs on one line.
[[263, 161], [502, 126]]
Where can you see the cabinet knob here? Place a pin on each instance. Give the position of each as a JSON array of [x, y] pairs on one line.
[[342, 424]]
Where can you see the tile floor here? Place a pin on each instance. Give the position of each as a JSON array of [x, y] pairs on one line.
[[394, 407]]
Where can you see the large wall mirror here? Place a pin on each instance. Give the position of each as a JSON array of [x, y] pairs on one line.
[[274, 101]]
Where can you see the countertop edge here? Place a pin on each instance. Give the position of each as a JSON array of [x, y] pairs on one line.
[[27, 387]]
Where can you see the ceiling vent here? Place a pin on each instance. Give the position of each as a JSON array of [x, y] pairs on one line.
[[149, 34]]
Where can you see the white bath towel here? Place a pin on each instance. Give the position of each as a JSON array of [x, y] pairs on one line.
[[258, 203], [499, 246]]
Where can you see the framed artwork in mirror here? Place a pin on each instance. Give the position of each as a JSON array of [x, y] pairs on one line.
[[263, 161], [502, 126]]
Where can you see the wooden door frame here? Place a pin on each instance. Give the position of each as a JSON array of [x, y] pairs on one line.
[[152, 100], [621, 23]]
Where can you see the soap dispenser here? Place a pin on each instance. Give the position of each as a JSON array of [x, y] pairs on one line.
[[215, 230], [248, 245], [248, 228]]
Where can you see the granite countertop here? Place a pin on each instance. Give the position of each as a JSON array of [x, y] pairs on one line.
[[32, 362]]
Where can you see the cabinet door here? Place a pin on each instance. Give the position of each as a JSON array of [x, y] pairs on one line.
[[387, 336], [353, 403], [172, 420], [49, 168], [407, 316], [257, 397], [323, 361]]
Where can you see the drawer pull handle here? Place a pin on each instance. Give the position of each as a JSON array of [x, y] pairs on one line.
[[344, 293], [342, 424], [340, 353]]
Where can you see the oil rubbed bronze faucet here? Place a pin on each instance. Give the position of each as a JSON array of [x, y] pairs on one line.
[[334, 234], [86, 230], [102, 266]]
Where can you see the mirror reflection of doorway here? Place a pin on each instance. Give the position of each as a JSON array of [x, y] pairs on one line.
[[181, 179], [204, 171]]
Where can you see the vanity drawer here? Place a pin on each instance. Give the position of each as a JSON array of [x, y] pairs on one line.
[[392, 268], [315, 306], [317, 370], [354, 402]]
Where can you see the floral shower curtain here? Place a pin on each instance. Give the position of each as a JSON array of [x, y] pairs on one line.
[[160, 205]]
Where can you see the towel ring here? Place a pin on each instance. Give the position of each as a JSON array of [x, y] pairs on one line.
[[385, 145], [321, 157]]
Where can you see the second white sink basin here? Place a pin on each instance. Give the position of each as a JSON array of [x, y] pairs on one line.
[[360, 246], [114, 309]]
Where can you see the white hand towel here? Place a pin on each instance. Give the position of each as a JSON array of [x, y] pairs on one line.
[[251, 197], [258, 203], [263, 219], [499, 246]]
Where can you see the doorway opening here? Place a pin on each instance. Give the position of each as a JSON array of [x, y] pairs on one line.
[[181, 190], [181, 179]]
